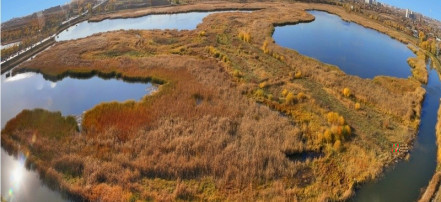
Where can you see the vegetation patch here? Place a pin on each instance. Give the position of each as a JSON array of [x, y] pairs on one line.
[[233, 107]]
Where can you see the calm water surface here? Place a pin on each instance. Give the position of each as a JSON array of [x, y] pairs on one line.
[[71, 97], [180, 21], [368, 53], [404, 181], [353, 48]]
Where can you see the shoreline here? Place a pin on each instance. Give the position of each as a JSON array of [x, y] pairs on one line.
[[274, 47]]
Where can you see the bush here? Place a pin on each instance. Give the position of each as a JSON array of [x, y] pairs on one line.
[[290, 98], [259, 93], [328, 135], [263, 84], [346, 92], [337, 145], [265, 47], [301, 96], [285, 92], [347, 131], [237, 74], [202, 33], [332, 117], [298, 75], [245, 36], [270, 97], [357, 106]]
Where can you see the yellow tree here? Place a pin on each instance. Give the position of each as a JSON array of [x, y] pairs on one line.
[[433, 47], [421, 36]]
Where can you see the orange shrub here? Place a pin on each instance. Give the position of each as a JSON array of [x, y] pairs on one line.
[[357, 106], [290, 98], [346, 92]]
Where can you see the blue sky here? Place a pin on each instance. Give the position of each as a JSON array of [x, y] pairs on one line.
[[430, 8], [19, 8]]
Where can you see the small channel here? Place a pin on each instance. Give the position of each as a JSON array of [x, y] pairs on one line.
[[71, 96], [404, 181], [179, 21]]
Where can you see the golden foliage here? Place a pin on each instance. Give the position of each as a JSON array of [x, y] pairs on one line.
[[237, 73], [285, 92], [202, 33], [357, 106], [217, 54], [346, 92], [265, 48], [418, 65], [438, 137], [298, 75], [337, 145], [263, 84], [301, 96], [328, 135], [259, 93], [339, 130], [290, 98], [245, 36]]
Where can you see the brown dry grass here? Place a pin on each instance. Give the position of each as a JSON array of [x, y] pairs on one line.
[[418, 64], [168, 146]]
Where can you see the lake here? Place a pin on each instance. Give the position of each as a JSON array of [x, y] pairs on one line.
[[368, 53], [353, 48], [179, 21], [70, 96]]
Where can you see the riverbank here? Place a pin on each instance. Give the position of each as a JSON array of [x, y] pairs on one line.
[[215, 130], [433, 190]]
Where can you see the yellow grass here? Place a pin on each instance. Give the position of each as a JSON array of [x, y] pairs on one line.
[[234, 144]]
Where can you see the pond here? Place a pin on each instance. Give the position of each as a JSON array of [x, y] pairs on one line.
[[367, 53], [353, 48], [70, 96], [180, 21]]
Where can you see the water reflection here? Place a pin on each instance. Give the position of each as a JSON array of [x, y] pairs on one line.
[[180, 21], [20, 184], [71, 97], [353, 48]]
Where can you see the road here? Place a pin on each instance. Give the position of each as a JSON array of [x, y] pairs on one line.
[[50, 37]]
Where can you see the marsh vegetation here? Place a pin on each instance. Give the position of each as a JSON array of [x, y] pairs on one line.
[[232, 108]]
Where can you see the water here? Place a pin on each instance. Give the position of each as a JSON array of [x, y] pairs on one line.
[[368, 53], [71, 97], [21, 184], [180, 21], [353, 48], [404, 181]]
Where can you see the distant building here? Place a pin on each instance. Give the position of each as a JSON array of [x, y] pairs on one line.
[[415, 33], [409, 14], [370, 1]]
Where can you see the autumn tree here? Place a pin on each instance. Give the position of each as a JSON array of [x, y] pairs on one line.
[[421, 36], [433, 47]]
